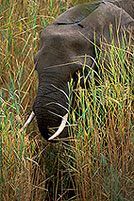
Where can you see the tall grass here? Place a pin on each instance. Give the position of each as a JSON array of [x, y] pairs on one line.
[[102, 154], [98, 163], [20, 24]]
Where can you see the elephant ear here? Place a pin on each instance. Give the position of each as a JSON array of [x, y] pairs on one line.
[[77, 13], [128, 5]]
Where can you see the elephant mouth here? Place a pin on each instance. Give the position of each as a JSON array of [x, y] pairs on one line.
[[56, 134]]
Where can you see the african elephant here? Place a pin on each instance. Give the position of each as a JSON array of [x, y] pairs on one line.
[[63, 46], [127, 5]]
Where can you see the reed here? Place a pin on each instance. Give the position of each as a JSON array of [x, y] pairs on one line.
[[103, 149]]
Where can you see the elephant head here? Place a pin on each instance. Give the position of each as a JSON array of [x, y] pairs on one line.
[[63, 46]]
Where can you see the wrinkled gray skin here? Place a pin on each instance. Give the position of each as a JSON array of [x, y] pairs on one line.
[[63, 45], [127, 5]]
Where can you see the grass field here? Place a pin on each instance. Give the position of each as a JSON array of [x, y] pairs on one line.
[[99, 162]]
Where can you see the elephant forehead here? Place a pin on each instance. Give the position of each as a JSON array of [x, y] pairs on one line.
[[61, 43], [61, 33]]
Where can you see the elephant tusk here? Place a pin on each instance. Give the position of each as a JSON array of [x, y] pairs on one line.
[[31, 117], [61, 127]]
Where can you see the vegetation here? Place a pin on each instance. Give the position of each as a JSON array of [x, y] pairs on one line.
[[98, 162]]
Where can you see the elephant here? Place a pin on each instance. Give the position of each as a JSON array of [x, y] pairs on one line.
[[127, 5], [63, 46]]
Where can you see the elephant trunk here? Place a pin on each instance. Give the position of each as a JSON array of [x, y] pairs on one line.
[[51, 113]]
